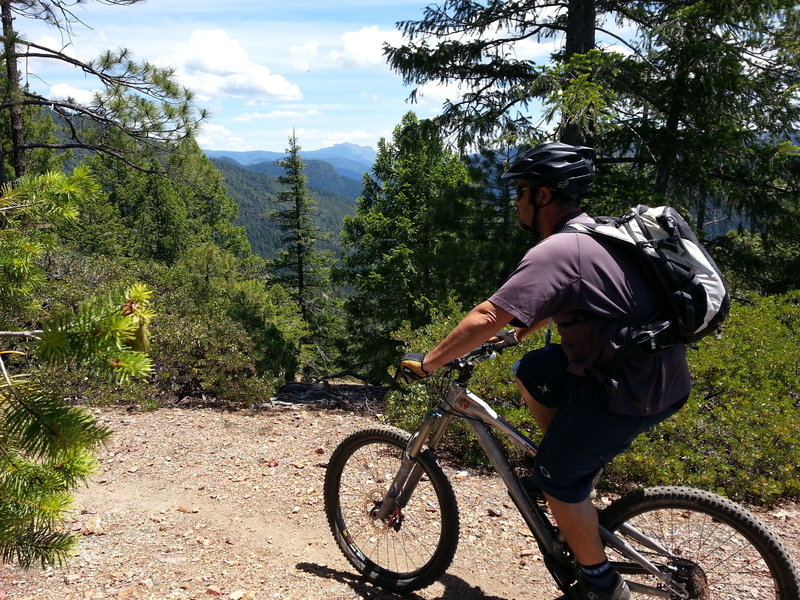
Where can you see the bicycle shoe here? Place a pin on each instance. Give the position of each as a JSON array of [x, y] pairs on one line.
[[584, 591]]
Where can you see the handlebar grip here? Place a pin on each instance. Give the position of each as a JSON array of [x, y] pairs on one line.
[[504, 339]]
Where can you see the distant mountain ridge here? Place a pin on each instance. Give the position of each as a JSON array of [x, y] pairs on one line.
[[349, 160]]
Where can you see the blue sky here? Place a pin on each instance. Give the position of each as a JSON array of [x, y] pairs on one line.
[[261, 67]]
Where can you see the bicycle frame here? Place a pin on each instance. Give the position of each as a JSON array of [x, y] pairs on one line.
[[460, 403]]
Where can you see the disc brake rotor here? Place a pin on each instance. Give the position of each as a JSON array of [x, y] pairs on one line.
[[372, 503]]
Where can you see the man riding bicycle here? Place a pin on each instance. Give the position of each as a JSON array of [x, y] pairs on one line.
[[589, 406]]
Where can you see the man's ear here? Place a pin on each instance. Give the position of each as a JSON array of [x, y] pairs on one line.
[[544, 196]]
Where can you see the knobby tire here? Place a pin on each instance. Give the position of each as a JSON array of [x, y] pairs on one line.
[[400, 558], [721, 549]]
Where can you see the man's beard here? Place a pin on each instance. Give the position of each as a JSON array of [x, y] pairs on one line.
[[531, 229]]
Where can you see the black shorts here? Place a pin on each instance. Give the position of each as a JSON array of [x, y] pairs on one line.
[[584, 435]]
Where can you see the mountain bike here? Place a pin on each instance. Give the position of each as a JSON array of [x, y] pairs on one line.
[[394, 515]]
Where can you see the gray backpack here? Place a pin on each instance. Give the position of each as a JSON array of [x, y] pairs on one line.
[[684, 275]]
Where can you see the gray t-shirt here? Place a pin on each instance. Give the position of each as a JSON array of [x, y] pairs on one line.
[[593, 293]]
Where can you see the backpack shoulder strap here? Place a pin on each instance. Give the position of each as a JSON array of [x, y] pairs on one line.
[[604, 228]]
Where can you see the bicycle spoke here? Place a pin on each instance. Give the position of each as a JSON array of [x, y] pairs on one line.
[[732, 568], [365, 479]]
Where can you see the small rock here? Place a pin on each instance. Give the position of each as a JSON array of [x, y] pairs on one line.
[[93, 526], [188, 509], [494, 512], [213, 591]]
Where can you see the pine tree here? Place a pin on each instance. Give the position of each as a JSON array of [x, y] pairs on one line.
[[418, 238], [301, 266], [693, 105], [46, 445], [139, 105], [162, 215]]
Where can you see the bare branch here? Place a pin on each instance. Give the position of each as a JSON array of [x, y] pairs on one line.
[[35, 333], [632, 47]]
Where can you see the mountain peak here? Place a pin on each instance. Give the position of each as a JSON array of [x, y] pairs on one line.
[[344, 150]]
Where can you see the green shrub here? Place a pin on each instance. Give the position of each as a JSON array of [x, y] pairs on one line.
[[739, 434], [740, 431], [219, 333]]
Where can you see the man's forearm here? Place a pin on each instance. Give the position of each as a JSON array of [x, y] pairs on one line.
[[481, 323]]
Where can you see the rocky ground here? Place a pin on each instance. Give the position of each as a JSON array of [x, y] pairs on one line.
[[198, 503]]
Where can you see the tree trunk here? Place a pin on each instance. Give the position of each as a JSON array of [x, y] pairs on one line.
[[671, 126], [580, 38], [702, 211], [14, 93]]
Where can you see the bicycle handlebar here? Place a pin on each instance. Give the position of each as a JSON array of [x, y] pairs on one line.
[[485, 351]]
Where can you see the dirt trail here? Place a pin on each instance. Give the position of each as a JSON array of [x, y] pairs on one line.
[[192, 504]]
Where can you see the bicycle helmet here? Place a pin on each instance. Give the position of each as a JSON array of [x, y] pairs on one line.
[[568, 169]]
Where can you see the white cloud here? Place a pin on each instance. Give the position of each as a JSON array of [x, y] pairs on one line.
[[364, 48], [437, 93], [304, 57], [217, 137], [62, 91], [277, 114], [61, 45], [538, 52], [215, 65]]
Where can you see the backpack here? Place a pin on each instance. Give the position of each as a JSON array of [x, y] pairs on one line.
[[681, 270]]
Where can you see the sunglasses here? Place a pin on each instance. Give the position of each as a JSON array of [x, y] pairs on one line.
[[516, 191]]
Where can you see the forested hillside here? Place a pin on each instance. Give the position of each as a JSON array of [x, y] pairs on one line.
[[254, 189]]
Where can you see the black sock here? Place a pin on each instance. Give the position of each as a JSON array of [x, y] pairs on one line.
[[600, 576]]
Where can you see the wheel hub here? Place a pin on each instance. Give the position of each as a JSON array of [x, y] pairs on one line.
[[692, 577], [393, 522]]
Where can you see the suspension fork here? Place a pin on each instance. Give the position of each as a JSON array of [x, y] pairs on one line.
[[410, 471]]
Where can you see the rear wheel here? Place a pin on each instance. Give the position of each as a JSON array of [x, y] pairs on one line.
[[412, 547], [714, 547]]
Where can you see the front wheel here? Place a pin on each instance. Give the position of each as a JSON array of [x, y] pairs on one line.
[[415, 545], [713, 547]]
